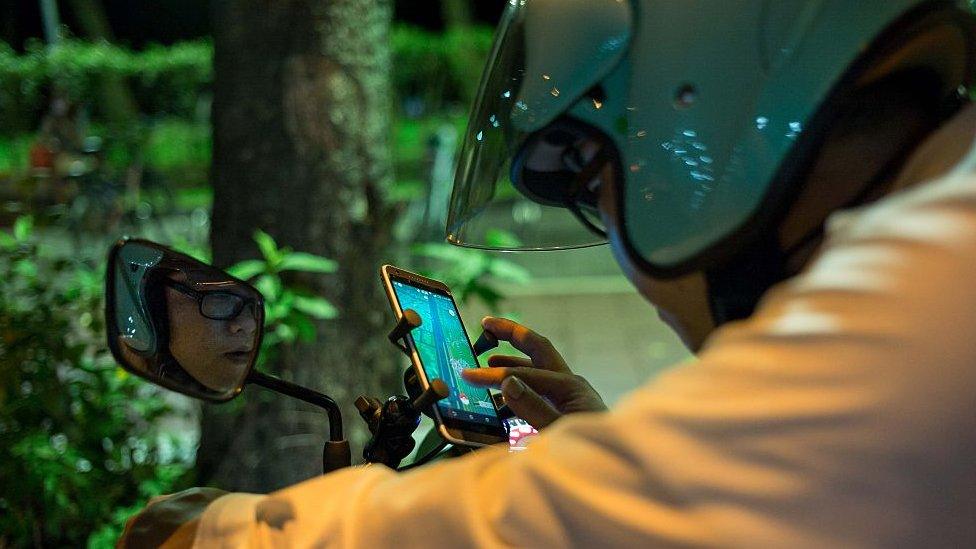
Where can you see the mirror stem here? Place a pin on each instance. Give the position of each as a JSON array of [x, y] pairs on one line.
[[301, 393]]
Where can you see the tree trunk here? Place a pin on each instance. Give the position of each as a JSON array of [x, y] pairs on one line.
[[301, 123]]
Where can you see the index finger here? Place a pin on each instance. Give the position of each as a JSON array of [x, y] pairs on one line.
[[537, 347], [540, 381]]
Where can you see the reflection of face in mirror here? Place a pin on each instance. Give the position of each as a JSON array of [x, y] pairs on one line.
[[182, 323], [212, 329]]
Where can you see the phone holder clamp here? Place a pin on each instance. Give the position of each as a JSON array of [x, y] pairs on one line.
[[393, 422]]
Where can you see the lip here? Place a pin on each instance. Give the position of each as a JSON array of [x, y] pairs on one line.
[[241, 354]]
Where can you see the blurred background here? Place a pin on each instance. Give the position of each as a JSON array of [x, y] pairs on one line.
[[241, 131]]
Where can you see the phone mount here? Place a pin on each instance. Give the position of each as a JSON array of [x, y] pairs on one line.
[[393, 422]]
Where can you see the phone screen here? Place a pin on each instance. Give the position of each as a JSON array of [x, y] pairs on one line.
[[445, 350]]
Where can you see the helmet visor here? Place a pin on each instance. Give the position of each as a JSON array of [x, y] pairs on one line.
[[487, 210]]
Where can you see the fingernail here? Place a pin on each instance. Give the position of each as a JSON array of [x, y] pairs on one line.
[[513, 388], [485, 321]]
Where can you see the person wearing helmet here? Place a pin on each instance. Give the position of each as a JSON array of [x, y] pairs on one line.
[[183, 325], [791, 183], [212, 329]]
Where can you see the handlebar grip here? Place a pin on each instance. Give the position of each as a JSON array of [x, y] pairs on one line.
[[336, 455]]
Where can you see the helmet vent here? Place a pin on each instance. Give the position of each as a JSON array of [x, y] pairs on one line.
[[685, 97]]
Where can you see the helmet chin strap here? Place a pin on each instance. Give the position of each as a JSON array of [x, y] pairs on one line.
[[583, 178]]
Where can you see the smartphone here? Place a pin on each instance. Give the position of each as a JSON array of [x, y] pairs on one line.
[[440, 349]]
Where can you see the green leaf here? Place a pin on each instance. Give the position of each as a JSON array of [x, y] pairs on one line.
[[25, 268], [274, 312], [309, 263], [23, 227], [268, 247], [285, 332], [489, 296], [248, 269], [509, 271], [7, 240], [304, 326], [316, 307], [497, 238], [269, 286]]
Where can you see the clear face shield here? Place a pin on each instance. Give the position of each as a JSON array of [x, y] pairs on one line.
[[539, 187]]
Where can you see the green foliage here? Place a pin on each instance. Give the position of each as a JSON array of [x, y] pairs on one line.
[[290, 310], [14, 152], [179, 150], [79, 449], [439, 67], [170, 80], [473, 274], [165, 79]]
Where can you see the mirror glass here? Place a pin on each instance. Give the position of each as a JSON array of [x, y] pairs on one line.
[[180, 323]]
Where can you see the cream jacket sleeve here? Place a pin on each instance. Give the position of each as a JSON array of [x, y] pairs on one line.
[[842, 414]]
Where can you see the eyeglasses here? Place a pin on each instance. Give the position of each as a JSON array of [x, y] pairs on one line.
[[217, 304]]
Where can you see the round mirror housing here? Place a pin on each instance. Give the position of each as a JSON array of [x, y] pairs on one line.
[[180, 323]]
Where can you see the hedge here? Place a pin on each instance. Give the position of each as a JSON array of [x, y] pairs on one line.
[[171, 80]]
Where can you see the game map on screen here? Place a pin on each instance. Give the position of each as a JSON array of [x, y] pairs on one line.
[[444, 351]]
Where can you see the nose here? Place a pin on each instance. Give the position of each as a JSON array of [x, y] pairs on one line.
[[245, 322]]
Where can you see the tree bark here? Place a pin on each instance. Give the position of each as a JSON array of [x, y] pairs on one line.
[[301, 123]]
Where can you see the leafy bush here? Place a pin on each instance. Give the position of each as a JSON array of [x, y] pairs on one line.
[[164, 79], [14, 153], [170, 80], [473, 274], [439, 67], [290, 311], [79, 446], [178, 151]]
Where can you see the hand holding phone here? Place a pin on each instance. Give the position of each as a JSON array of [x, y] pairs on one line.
[[539, 389]]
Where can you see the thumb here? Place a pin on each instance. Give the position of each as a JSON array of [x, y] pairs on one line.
[[527, 404]]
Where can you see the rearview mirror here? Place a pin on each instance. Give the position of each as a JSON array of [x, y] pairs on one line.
[[181, 323]]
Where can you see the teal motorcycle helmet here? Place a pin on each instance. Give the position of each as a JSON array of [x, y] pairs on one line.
[[133, 311], [709, 114]]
